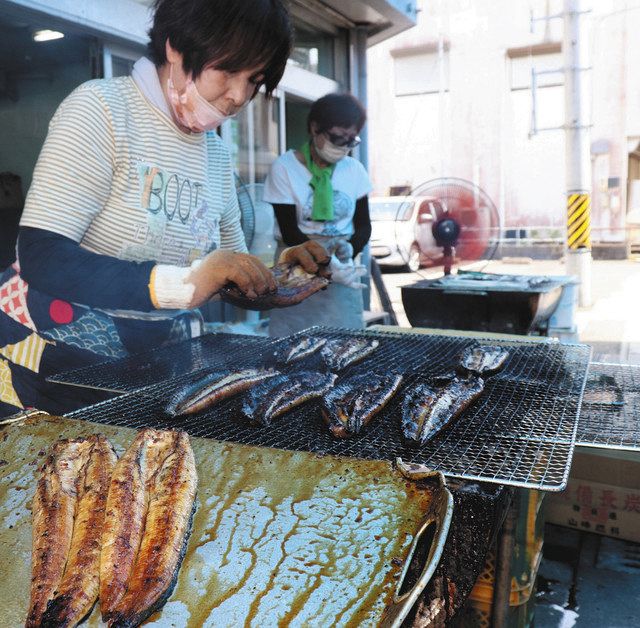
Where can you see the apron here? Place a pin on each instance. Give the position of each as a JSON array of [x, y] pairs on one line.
[[41, 336], [337, 306]]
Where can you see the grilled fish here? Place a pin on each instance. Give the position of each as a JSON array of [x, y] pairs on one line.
[[148, 518], [280, 394], [340, 353], [212, 388], [483, 360], [427, 409], [294, 284], [68, 514], [352, 404], [297, 348]]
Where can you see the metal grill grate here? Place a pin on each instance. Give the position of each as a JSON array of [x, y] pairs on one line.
[[165, 363], [610, 413], [520, 432]]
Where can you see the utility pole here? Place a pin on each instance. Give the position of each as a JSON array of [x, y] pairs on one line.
[[577, 147]]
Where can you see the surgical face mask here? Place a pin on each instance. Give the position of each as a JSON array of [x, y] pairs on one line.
[[330, 152], [191, 110]]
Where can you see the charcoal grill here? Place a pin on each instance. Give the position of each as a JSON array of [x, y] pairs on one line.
[[610, 414], [520, 432], [469, 300]]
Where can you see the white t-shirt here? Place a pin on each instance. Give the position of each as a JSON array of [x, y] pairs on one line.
[[288, 184]]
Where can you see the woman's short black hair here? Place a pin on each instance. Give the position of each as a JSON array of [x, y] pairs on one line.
[[230, 35], [332, 110]]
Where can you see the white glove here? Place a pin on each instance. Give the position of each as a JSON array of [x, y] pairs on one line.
[[347, 273], [343, 251]]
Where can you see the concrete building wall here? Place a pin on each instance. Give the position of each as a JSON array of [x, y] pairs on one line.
[[476, 124]]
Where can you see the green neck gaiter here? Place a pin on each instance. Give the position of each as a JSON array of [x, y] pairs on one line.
[[321, 184]]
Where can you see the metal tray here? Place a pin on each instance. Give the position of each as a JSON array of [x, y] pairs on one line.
[[278, 537], [520, 432], [610, 413]]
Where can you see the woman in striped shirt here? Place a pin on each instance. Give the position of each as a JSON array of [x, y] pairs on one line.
[[132, 217]]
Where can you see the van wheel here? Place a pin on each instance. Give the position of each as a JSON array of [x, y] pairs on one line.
[[413, 263]]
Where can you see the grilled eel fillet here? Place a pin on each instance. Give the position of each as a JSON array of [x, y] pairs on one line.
[[294, 284], [352, 404], [278, 395], [427, 410], [212, 388], [339, 353], [148, 517], [483, 360], [68, 513], [298, 348]]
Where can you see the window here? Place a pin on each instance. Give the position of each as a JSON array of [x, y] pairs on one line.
[[421, 70], [542, 59], [314, 51]]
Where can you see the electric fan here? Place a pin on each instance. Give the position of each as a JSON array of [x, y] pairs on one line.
[[246, 201], [466, 224], [257, 220]]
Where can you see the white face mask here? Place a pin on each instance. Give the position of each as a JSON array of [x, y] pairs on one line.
[[330, 152], [191, 110]]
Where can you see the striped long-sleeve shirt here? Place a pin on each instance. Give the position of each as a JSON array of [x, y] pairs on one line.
[[117, 176]]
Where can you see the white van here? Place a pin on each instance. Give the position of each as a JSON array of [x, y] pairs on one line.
[[401, 230]]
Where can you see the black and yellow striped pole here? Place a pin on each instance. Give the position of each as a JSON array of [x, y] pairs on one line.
[[578, 221]]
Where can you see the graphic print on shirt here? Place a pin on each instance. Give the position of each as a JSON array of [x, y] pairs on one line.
[[343, 208], [178, 218]]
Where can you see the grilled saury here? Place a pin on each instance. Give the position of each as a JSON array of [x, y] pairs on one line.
[[297, 348], [294, 285], [339, 353], [280, 394], [483, 360], [68, 515], [148, 519], [350, 405], [212, 388], [427, 409]]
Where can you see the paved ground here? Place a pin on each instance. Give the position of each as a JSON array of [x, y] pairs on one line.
[[584, 580]]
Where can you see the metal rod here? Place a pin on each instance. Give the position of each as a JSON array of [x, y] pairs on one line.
[[383, 295], [578, 150], [502, 585], [361, 87]]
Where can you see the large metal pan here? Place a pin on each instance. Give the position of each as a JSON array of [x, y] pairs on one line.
[[279, 537]]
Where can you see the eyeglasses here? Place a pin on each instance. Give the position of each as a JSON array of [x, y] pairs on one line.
[[341, 141]]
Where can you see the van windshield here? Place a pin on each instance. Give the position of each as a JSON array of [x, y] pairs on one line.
[[390, 210]]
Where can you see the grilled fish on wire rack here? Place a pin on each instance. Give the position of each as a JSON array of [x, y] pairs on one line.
[[483, 360], [428, 409], [212, 388], [351, 405], [297, 348], [278, 395], [338, 353]]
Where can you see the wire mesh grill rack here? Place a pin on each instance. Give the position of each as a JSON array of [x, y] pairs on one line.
[[520, 432], [219, 350], [610, 413]]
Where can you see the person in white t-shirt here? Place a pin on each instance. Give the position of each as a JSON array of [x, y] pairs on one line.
[[320, 194]]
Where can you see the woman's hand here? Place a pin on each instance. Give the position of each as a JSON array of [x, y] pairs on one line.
[[311, 255], [218, 268]]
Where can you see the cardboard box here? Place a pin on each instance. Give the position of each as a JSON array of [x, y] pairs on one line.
[[602, 495]]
